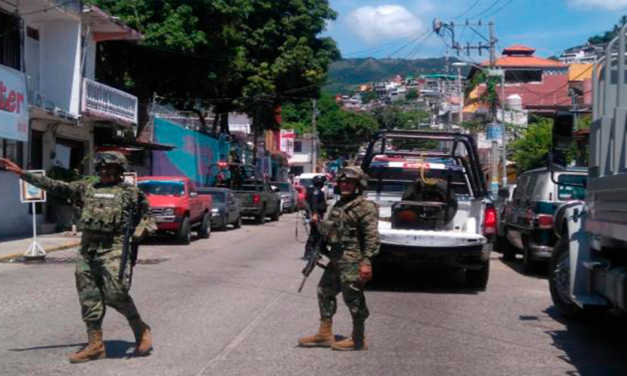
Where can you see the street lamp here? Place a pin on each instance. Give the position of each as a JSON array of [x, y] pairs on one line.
[[501, 74]]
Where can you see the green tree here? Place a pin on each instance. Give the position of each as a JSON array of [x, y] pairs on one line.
[[608, 35], [394, 117], [369, 96], [531, 149], [411, 95], [246, 55]]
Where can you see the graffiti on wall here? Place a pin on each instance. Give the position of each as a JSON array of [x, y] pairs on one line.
[[192, 156]]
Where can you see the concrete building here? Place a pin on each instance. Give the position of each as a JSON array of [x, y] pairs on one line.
[[53, 43]]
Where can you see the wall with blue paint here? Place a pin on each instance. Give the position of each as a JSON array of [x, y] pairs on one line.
[[192, 156]]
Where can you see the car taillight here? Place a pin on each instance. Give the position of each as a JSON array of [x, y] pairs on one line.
[[544, 221], [256, 199], [489, 221]]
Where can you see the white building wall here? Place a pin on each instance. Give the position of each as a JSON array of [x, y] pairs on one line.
[[61, 63], [90, 59]]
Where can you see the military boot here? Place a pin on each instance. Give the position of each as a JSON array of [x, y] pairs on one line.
[[95, 348], [324, 337], [143, 337], [357, 341]]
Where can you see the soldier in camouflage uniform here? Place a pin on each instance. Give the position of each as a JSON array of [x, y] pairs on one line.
[[105, 210], [350, 230]]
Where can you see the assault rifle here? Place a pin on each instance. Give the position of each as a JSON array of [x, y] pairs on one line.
[[129, 250], [313, 261]]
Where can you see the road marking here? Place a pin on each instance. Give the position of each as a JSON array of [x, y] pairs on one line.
[[242, 335]]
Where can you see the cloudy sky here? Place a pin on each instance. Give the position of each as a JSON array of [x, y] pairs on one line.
[[402, 28]]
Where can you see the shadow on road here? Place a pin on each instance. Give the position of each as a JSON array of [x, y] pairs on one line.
[[541, 272], [427, 280], [115, 349], [594, 347]]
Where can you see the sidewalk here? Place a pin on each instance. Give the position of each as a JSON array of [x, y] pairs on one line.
[[12, 248]]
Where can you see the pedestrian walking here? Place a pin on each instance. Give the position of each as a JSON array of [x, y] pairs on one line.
[[349, 228], [105, 213]]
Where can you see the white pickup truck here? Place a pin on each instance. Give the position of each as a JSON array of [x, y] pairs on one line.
[[432, 198]]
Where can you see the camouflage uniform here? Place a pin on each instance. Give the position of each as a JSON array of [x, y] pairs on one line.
[[105, 212], [357, 242]]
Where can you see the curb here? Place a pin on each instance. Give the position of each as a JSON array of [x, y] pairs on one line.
[[52, 249]]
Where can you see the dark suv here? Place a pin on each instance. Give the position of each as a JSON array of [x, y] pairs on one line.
[[528, 216]]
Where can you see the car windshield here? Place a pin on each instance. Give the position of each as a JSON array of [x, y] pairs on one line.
[[162, 188], [283, 187], [305, 182], [219, 197], [567, 192]]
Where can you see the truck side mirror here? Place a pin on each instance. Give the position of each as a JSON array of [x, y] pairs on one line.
[[563, 125]]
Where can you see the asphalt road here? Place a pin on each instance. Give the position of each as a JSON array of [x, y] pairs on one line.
[[228, 306]]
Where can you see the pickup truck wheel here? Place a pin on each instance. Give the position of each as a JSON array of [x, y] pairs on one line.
[[261, 217], [506, 248], [478, 278], [238, 222], [277, 213], [204, 231], [184, 235]]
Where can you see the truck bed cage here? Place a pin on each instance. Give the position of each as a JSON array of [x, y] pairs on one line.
[[470, 161]]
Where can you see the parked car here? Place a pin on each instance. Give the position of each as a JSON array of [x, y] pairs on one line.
[[302, 195], [259, 200], [528, 227], [289, 196], [177, 207], [226, 208], [503, 199]]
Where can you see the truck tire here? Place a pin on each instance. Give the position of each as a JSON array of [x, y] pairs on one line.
[[261, 217], [238, 222], [478, 278], [184, 236], [204, 231], [277, 213], [503, 246], [559, 286]]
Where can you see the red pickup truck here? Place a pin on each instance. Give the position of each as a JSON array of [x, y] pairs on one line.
[[177, 207]]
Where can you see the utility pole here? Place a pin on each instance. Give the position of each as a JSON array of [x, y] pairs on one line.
[[504, 130], [460, 92], [314, 128], [492, 45]]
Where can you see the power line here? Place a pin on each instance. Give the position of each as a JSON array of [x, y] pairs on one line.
[[486, 9], [409, 43], [42, 10], [467, 10], [499, 9], [383, 46]]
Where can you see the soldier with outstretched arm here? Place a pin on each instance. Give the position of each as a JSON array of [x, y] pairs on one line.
[[106, 208], [350, 230]]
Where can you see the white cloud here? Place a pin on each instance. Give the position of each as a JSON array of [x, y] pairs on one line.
[[376, 24], [605, 4]]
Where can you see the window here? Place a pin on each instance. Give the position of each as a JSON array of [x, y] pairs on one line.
[[522, 76], [298, 146], [10, 51], [12, 150]]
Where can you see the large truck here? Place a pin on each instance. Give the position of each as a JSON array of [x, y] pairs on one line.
[[588, 270]]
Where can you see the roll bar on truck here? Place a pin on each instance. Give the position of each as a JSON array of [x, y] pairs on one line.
[[588, 270]]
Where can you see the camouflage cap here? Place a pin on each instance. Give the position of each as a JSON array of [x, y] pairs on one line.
[[353, 173], [111, 157]]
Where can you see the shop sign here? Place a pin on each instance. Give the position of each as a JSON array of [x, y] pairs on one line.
[[13, 105]]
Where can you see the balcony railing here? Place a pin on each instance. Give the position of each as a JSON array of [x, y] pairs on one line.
[[104, 102]]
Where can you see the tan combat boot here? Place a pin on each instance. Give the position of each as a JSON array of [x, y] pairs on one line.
[[143, 337], [357, 341], [95, 348], [324, 337]]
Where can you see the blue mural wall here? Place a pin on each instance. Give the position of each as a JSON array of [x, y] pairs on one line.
[[194, 153]]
